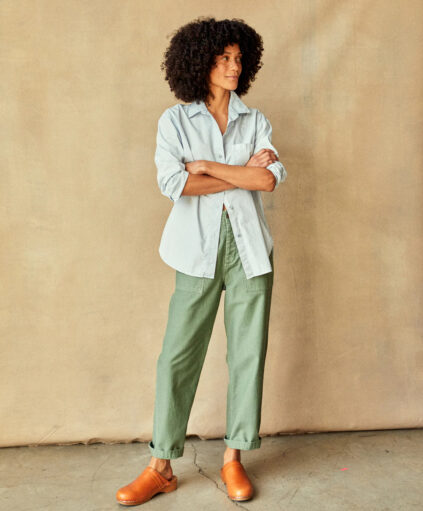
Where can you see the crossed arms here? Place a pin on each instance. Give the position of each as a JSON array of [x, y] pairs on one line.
[[263, 171], [210, 176]]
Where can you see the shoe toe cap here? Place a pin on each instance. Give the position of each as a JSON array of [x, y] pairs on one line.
[[125, 494], [241, 493]]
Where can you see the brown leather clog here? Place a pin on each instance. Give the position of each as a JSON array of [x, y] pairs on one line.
[[145, 486], [236, 479]]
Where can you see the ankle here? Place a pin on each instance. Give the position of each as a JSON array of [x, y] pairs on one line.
[[231, 455], [160, 464]]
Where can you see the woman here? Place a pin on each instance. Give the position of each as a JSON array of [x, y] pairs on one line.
[[214, 156]]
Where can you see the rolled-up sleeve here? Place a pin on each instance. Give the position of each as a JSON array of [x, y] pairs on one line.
[[171, 173], [264, 141]]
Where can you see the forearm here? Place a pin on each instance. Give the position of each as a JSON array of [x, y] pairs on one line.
[[249, 178], [201, 184]]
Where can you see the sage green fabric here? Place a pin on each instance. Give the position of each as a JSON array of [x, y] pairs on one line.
[[192, 312]]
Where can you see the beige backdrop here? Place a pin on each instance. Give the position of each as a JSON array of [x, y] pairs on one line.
[[84, 293]]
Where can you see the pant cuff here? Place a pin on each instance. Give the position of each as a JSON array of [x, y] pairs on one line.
[[160, 453], [240, 444]]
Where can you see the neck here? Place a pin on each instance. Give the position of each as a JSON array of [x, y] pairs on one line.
[[220, 102]]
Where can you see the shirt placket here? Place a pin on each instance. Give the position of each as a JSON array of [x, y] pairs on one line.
[[221, 153], [213, 243]]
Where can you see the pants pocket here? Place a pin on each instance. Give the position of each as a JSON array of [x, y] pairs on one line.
[[186, 282]]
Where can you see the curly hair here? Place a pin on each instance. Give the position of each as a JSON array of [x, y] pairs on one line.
[[193, 47]]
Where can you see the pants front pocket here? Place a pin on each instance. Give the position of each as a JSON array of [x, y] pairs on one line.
[[186, 282]]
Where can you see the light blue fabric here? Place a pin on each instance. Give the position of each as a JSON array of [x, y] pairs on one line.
[[190, 237]]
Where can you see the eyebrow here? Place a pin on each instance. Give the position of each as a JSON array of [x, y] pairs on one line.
[[229, 52]]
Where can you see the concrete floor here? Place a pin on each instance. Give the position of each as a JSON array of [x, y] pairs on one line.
[[366, 471]]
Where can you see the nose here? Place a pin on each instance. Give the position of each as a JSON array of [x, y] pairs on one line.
[[235, 66]]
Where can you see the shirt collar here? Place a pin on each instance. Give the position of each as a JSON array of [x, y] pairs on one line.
[[236, 106]]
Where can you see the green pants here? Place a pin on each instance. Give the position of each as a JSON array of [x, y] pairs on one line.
[[192, 312]]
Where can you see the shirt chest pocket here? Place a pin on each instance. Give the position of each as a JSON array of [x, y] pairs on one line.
[[239, 154]]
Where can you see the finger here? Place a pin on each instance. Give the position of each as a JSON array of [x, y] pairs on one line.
[[269, 153]]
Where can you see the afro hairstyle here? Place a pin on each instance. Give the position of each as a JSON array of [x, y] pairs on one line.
[[193, 47]]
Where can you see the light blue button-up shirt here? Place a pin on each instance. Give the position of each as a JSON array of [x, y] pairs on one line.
[[190, 238]]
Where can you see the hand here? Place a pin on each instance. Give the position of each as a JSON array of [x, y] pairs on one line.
[[262, 158], [196, 167]]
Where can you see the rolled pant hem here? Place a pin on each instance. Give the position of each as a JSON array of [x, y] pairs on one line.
[[160, 453], [240, 444]]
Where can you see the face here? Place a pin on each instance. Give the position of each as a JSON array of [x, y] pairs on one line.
[[227, 68]]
